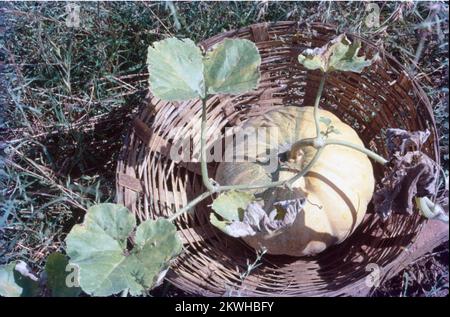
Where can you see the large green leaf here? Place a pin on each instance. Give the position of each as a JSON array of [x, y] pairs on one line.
[[106, 266], [179, 71], [55, 267], [231, 205], [17, 284], [232, 67], [176, 70], [337, 55]]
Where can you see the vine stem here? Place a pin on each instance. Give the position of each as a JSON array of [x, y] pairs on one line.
[[190, 205], [369, 153], [316, 104], [318, 142], [203, 154], [218, 189], [307, 167]]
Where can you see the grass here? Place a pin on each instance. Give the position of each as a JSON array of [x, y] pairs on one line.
[[67, 94]]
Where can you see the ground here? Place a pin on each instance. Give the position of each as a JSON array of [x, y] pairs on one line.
[[68, 93]]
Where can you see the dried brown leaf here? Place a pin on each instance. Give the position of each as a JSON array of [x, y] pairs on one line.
[[411, 173]]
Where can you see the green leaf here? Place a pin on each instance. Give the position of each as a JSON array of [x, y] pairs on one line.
[[14, 284], [176, 70], [231, 205], [232, 67], [57, 275], [339, 54], [106, 266]]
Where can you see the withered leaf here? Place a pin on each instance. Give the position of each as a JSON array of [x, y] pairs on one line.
[[410, 173], [339, 54], [256, 220], [399, 140]]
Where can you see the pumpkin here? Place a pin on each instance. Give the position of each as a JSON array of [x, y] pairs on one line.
[[338, 187]]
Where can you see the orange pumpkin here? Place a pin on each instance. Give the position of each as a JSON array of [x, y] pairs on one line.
[[338, 187]]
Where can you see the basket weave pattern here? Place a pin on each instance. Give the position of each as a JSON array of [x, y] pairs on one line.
[[151, 185]]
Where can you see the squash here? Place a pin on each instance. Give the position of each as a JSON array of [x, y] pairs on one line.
[[338, 187]]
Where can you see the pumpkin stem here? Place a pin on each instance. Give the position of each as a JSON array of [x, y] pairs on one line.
[[369, 153]]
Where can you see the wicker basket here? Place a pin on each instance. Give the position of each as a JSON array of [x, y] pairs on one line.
[[152, 186]]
